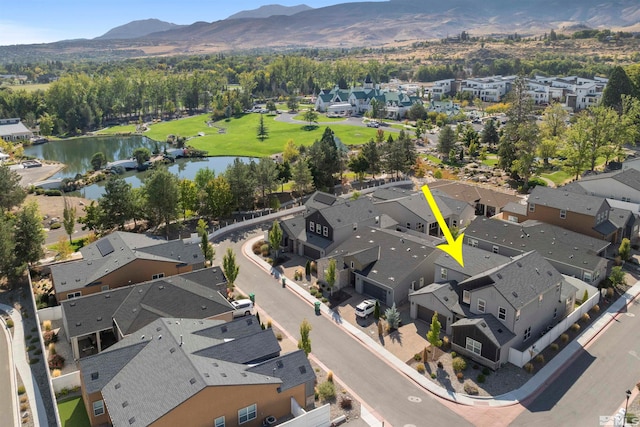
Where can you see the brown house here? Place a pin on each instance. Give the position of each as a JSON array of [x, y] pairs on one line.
[[206, 372], [581, 213], [122, 259]]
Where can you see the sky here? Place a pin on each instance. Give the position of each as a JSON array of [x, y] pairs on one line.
[[45, 21]]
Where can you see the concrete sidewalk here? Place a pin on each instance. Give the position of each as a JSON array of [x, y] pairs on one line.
[[13, 387], [19, 354], [514, 397]]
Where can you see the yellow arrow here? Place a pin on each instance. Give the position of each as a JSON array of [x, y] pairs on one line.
[[453, 246]]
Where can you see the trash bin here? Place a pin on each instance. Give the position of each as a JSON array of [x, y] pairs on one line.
[[284, 282], [316, 306], [252, 297]]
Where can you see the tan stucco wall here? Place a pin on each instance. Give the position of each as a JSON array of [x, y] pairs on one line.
[[212, 402], [137, 271]]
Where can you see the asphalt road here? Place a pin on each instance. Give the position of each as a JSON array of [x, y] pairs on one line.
[[395, 398], [594, 383], [7, 396]]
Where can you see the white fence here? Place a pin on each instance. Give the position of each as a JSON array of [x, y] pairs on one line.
[[520, 358], [50, 313], [319, 417], [67, 381]]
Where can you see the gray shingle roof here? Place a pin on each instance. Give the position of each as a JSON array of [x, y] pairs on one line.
[[475, 260], [491, 327], [520, 281], [349, 212], [572, 202], [133, 307], [551, 241], [473, 194], [629, 177], [116, 250], [292, 369], [516, 208], [417, 204], [143, 377], [445, 293]]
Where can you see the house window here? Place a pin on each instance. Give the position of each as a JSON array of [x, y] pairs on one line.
[[474, 346], [495, 249], [98, 408], [247, 414], [563, 213], [312, 226], [433, 228], [420, 227], [421, 281], [527, 333], [443, 273], [352, 264], [157, 276], [219, 422], [473, 243], [325, 231], [104, 288], [532, 207], [409, 226], [587, 276], [482, 304], [73, 295], [466, 297], [626, 199], [512, 218], [355, 226], [517, 315], [555, 312], [502, 313], [318, 228]]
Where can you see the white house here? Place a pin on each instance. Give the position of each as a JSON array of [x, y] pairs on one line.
[[13, 130]]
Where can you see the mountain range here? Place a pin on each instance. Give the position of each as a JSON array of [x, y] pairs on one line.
[[366, 24]]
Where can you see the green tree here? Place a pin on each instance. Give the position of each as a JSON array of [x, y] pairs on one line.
[[242, 180], [433, 336], [393, 316], [161, 201], [417, 112], [187, 196], [266, 175], [625, 249], [208, 251], [310, 116], [68, 218], [275, 239], [98, 160], [358, 165], [92, 219], [116, 204], [330, 275], [603, 125], [554, 121], [11, 193], [141, 154], [7, 248], [217, 198], [371, 153], [301, 176], [292, 103], [46, 124], [305, 341], [617, 276], [446, 141], [29, 235], [489, 134], [376, 311], [230, 268], [291, 152], [323, 160], [618, 85], [577, 145], [271, 106], [261, 130]]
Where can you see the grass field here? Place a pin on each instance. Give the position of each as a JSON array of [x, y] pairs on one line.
[[558, 177], [73, 413], [29, 87], [118, 129], [321, 118], [490, 161], [238, 137]]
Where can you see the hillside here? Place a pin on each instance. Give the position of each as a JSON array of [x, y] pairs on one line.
[[137, 29], [270, 10]]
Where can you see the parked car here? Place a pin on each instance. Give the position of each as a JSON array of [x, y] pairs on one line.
[[373, 124], [242, 307], [365, 308]]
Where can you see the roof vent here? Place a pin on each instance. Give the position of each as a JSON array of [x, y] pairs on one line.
[[63, 283], [206, 375], [223, 375], [73, 304], [549, 273], [244, 374], [192, 381], [172, 350], [78, 324], [484, 325], [302, 369], [215, 364], [279, 364], [224, 328], [158, 329], [117, 386], [99, 319], [160, 287], [125, 404], [500, 330], [142, 337], [132, 420], [107, 296], [204, 307], [159, 337], [499, 276], [94, 376], [515, 294], [519, 264]]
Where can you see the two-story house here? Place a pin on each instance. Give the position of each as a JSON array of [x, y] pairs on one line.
[[570, 253], [198, 373], [623, 185], [486, 201], [327, 222], [581, 213], [122, 259]]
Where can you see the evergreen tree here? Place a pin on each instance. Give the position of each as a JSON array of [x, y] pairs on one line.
[[305, 341], [68, 218], [98, 160], [301, 176], [446, 141], [266, 174], [330, 276], [619, 84], [489, 133], [262, 131], [393, 316], [275, 239], [433, 336], [324, 161], [29, 235], [625, 249], [230, 268], [7, 248], [116, 203], [371, 153], [161, 197], [11, 192]]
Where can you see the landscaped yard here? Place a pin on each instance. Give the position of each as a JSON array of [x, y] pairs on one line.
[[73, 413], [237, 136], [558, 177]]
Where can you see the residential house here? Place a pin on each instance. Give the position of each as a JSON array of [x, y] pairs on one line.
[[621, 185], [487, 89], [95, 322], [440, 89], [13, 129], [383, 264], [412, 212], [581, 213], [571, 253], [503, 307], [486, 201], [122, 259], [203, 372], [327, 222], [440, 296]]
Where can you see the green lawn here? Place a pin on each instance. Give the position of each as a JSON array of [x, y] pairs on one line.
[[32, 87], [118, 130], [321, 118], [73, 413], [490, 161], [558, 177], [434, 159], [239, 136]]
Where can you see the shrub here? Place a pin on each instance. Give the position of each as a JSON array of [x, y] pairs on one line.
[[481, 378], [327, 391], [470, 389], [330, 376], [55, 226], [30, 347], [585, 317], [528, 367], [440, 365], [256, 247], [38, 351], [486, 371], [9, 323], [269, 324], [595, 308], [325, 300], [314, 267], [23, 399], [445, 342], [24, 407], [46, 325], [56, 361], [433, 375], [459, 364], [609, 292], [52, 348], [380, 328], [49, 337], [453, 354], [21, 390], [417, 357], [264, 250], [34, 340], [56, 373], [554, 346], [540, 358], [53, 193], [279, 336], [420, 368], [575, 327], [460, 376], [27, 337], [346, 403], [564, 338]]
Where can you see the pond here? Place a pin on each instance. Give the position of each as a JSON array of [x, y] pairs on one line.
[[76, 154]]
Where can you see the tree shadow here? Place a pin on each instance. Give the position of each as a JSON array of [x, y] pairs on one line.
[[396, 336], [309, 128]]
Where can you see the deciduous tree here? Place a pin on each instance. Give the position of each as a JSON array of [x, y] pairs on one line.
[[330, 275], [305, 340], [68, 218], [161, 190], [230, 267], [275, 239], [433, 336]]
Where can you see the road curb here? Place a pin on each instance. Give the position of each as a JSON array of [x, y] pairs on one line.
[[12, 369]]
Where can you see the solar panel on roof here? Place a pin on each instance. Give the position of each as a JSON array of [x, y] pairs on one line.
[[104, 246]]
